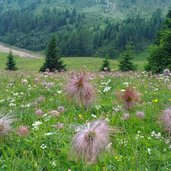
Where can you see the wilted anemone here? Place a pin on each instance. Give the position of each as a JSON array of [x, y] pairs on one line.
[[79, 89], [130, 97], [5, 124], [91, 140], [166, 119]]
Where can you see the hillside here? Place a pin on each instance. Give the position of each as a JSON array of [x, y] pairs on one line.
[[108, 7], [83, 28]]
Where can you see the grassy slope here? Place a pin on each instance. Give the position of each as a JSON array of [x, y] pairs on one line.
[[29, 64]]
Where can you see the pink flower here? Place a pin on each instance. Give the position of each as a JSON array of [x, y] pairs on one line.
[[36, 80], [54, 113], [140, 115], [24, 82], [61, 109], [91, 140], [126, 116], [165, 119], [41, 99], [80, 90], [23, 130], [5, 124], [130, 97], [39, 112]]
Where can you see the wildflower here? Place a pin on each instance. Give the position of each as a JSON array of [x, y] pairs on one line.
[[166, 119], [140, 115], [23, 130], [149, 151], [80, 90], [24, 81], [59, 125], [36, 80], [166, 72], [54, 113], [129, 97], [5, 124], [43, 146], [61, 109], [126, 116], [155, 101], [106, 89], [49, 133], [39, 112], [41, 99], [91, 140], [36, 125]]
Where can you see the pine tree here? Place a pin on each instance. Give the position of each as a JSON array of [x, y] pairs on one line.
[[126, 63], [105, 65], [160, 57], [11, 64], [53, 61]]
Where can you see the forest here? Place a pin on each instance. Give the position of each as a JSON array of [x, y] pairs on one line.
[[76, 36]]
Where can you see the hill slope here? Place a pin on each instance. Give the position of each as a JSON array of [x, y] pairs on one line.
[[83, 28], [109, 7]]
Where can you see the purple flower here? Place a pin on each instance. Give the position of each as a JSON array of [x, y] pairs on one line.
[[91, 140], [80, 90], [140, 115], [165, 119], [5, 124]]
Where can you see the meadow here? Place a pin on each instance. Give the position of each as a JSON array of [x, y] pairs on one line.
[[91, 63], [141, 144]]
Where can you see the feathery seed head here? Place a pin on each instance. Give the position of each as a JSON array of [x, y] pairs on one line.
[[91, 140]]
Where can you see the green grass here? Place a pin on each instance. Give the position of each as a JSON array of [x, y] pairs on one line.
[[91, 63], [130, 147]]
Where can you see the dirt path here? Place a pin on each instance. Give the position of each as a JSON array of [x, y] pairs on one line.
[[18, 52]]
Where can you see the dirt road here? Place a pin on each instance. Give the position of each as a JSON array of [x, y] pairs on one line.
[[18, 52]]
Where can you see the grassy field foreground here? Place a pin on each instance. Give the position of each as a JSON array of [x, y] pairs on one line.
[[141, 145]]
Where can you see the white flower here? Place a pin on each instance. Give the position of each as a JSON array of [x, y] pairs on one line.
[[53, 163], [126, 83], [149, 151], [36, 125], [43, 146], [106, 89], [94, 116], [12, 104], [97, 107], [59, 92], [49, 133]]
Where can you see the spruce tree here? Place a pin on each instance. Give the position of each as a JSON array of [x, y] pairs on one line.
[[11, 64], [160, 57], [126, 63], [105, 65], [53, 61]]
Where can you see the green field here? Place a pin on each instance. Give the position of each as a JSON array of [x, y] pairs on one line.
[[91, 63], [141, 144]]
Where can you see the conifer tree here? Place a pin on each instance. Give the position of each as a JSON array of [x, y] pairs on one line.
[[160, 57], [11, 64], [105, 65], [53, 61], [126, 63]]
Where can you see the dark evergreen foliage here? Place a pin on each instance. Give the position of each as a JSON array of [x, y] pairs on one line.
[[11, 64], [126, 63], [160, 57], [106, 65], [52, 61], [79, 34]]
